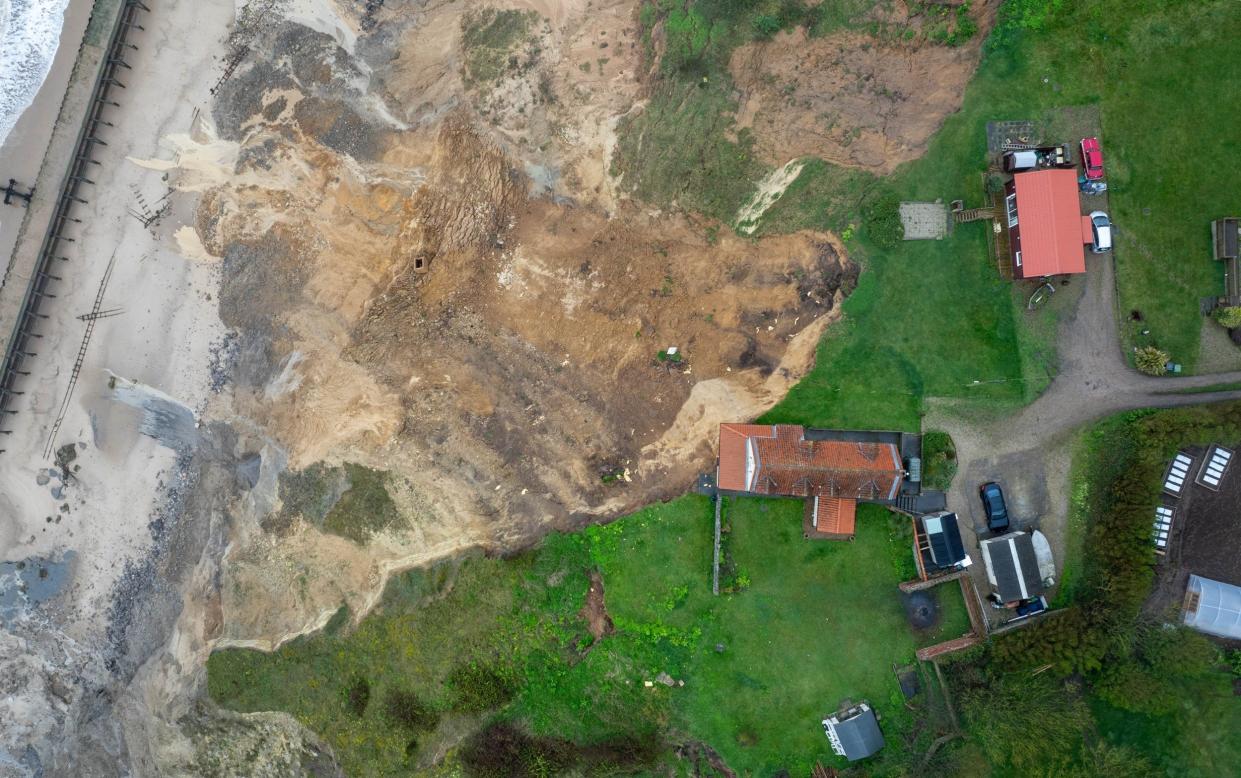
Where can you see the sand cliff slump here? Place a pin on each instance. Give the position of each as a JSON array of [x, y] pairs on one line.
[[407, 297], [853, 98]]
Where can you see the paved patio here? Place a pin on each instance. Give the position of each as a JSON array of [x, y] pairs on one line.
[[924, 221]]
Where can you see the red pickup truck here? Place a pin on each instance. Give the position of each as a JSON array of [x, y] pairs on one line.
[[1092, 159]]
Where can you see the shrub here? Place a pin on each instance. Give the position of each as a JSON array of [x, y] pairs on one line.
[[766, 26], [939, 460], [882, 219], [358, 696], [478, 688], [1228, 316], [1020, 719], [404, 709], [1132, 687], [1151, 360], [504, 751]]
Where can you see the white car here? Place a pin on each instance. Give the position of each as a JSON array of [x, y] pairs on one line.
[[1101, 227]]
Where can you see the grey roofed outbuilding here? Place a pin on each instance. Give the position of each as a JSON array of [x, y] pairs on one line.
[[944, 537], [1012, 566], [854, 733], [1214, 607]]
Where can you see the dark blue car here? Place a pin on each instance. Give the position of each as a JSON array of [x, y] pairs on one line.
[[993, 505]]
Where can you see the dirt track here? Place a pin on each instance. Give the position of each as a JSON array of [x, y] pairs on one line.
[[1029, 452]]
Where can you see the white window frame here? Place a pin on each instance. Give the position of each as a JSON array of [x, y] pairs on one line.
[[1010, 204], [1017, 256]]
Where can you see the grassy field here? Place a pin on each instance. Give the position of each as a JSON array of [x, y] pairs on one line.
[[817, 622]]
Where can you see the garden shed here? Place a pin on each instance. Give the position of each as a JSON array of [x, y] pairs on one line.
[[1013, 567], [854, 732]]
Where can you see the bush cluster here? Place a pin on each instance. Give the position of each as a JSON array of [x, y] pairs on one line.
[[881, 216], [503, 750], [404, 709], [939, 460], [1227, 316]]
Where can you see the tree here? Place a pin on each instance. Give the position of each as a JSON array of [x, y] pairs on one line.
[[1228, 316], [1131, 686], [1151, 360], [1020, 718]]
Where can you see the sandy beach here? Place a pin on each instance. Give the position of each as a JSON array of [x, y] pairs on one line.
[[100, 509], [22, 153]]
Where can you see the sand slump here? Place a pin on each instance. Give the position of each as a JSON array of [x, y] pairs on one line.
[[854, 98], [411, 300]]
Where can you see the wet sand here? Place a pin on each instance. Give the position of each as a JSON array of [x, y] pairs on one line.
[[23, 151]]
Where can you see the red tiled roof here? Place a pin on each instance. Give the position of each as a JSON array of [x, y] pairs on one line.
[[778, 460], [833, 516], [731, 475], [1049, 217]]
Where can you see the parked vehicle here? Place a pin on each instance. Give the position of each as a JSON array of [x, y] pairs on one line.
[[1092, 158], [1031, 607], [1016, 161], [1039, 157], [1101, 229], [993, 505]]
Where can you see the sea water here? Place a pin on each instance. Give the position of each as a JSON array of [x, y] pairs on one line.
[[29, 35]]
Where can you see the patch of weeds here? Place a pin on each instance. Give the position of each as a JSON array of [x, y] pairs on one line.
[[404, 709], [358, 696], [675, 357], [489, 39], [365, 508], [310, 494], [733, 580], [680, 151], [478, 688]]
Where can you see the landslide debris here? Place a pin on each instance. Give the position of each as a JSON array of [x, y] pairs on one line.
[[870, 97], [414, 293]]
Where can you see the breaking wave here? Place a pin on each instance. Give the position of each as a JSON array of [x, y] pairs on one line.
[[29, 36]]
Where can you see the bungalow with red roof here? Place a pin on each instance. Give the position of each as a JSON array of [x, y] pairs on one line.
[[832, 475], [1046, 229]]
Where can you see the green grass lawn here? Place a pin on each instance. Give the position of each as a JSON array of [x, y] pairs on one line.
[[819, 622], [954, 618]]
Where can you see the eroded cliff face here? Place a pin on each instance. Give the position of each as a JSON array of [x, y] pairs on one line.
[[447, 329], [428, 274]]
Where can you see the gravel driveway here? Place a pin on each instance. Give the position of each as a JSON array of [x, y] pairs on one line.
[[1029, 452]]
